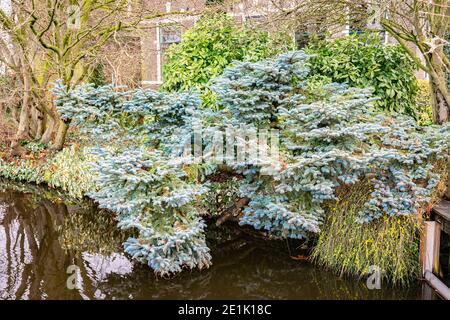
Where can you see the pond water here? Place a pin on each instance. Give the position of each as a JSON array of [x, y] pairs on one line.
[[42, 235]]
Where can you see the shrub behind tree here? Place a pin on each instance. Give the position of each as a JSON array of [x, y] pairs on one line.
[[363, 61]]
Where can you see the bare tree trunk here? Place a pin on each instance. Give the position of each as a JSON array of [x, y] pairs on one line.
[[22, 132], [439, 90], [440, 106], [24, 119], [32, 124], [49, 125], [15, 114], [61, 134], [40, 124]]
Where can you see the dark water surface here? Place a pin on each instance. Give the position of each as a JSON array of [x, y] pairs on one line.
[[42, 235]]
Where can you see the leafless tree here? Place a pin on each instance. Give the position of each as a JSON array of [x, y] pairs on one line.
[[45, 41], [419, 26]]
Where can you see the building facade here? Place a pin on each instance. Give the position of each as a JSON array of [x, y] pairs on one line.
[[179, 15]]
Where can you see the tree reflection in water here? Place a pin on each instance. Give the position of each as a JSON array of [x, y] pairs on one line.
[[42, 234]]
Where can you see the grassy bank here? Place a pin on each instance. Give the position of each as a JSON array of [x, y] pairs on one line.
[[68, 170]]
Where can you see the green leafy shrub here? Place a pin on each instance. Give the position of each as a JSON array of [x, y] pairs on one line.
[[362, 61], [208, 48], [23, 170], [424, 110], [71, 171]]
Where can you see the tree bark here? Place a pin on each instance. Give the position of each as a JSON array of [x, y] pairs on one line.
[[440, 106], [32, 123], [40, 124], [15, 114], [24, 118], [439, 89], [61, 134], [233, 212], [49, 127]]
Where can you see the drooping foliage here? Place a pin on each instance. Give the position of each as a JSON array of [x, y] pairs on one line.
[[22, 170], [329, 139], [70, 171], [363, 61], [389, 243]]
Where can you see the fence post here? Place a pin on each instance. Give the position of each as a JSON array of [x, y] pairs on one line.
[[430, 245]]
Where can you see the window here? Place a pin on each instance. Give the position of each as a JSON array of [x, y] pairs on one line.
[[170, 35]]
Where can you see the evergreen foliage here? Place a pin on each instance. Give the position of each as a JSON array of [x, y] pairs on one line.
[[151, 196], [331, 137], [335, 140]]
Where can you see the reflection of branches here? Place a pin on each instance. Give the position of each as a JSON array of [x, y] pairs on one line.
[[35, 260], [244, 267]]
